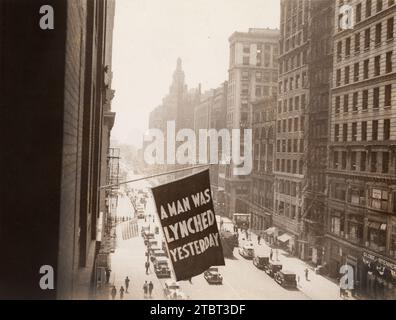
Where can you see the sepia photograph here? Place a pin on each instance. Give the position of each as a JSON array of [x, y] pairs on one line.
[[166, 151]]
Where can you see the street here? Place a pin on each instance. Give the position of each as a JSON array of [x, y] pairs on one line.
[[241, 279]]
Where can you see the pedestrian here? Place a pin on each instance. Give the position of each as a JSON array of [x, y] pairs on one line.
[[258, 239], [271, 254], [145, 289], [122, 293], [298, 280], [126, 284], [306, 274], [150, 288], [147, 265], [113, 292], [108, 271]]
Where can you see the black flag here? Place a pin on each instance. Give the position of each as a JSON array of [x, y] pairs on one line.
[[185, 209]]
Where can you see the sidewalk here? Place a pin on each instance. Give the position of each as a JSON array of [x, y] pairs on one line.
[[316, 287], [128, 260]]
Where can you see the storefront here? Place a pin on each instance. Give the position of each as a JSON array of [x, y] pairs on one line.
[[380, 277]]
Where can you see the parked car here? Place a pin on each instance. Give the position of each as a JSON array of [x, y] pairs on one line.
[[161, 268], [145, 230], [151, 250], [151, 242], [286, 279], [156, 254], [213, 276], [272, 267], [140, 214], [247, 251], [260, 261], [164, 248], [172, 291]]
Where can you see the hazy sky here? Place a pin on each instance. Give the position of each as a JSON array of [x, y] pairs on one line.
[[149, 35]]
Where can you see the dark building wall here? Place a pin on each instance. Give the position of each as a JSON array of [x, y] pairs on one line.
[[52, 116], [72, 147], [32, 69]]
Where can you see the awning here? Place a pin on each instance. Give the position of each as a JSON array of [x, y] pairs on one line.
[[270, 231], [284, 237], [374, 225]]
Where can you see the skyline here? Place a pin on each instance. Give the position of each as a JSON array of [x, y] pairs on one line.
[[143, 73]]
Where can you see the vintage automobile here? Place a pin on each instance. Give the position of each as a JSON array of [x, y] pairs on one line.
[[213, 276], [172, 291], [161, 268], [247, 251], [286, 279], [164, 247], [140, 214], [151, 250], [151, 242], [260, 261], [145, 230], [157, 253], [272, 267], [148, 236]]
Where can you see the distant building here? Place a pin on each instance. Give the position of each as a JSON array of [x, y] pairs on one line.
[[253, 73], [178, 106]]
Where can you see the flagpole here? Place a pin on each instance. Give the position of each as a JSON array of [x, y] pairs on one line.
[[153, 176]]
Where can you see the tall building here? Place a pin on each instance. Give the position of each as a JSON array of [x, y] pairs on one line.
[[210, 113], [291, 124], [362, 156], [262, 185], [178, 106], [56, 95], [320, 68], [253, 73]]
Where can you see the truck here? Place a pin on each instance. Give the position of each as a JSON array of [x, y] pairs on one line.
[[229, 241]]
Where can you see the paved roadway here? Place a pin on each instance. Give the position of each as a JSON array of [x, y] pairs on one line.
[[241, 279]]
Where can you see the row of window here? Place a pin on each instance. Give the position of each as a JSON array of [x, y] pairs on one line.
[[288, 210], [377, 62], [368, 8], [363, 98], [260, 76], [262, 166], [287, 187], [300, 81], [293, 62], [344, 50], [363, 131], [290, 145], [296, 124], [289, 166], [262, 133], [291, 104], [374, 161], [267, 59], [374, 197], [353, 231]]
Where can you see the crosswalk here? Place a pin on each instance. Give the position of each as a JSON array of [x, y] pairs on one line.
[[130, 229]]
